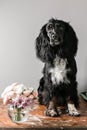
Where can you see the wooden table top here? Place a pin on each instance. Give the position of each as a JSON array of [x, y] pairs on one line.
[[38, 120]]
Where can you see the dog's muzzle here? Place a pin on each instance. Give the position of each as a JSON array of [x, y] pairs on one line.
[[55, 40]]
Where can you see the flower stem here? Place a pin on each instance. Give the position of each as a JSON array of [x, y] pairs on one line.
[[18, 115]]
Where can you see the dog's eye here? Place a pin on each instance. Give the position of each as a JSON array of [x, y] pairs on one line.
[[58, 26], [61, 28], [50, 27]]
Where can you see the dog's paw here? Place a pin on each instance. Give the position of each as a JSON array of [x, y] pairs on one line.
[[51, 112], [72, 110]]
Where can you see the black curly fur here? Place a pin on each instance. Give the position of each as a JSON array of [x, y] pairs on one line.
[[47, 53]]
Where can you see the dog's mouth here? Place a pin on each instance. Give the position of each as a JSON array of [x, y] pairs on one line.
[[54, 43]]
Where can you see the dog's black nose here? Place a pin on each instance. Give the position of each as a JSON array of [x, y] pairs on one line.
[[54, 36]]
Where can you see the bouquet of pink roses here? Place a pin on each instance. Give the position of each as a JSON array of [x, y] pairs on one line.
[[18, 97]]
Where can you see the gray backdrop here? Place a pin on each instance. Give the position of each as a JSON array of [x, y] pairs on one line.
[[20, 22]]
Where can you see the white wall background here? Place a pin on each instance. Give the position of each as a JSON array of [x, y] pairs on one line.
[[20, 22]]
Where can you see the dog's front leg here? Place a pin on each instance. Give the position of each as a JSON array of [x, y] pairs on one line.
[[52, 109], [72, 110]]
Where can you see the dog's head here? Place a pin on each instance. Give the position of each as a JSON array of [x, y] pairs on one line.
[[55, 32], [58, 33]]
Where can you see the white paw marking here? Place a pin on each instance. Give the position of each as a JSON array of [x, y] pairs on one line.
[[72, 110], [51, 112]]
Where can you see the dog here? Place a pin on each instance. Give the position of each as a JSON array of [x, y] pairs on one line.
[[56, 46]]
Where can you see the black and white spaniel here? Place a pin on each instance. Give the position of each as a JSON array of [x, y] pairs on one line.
[[56, 46]]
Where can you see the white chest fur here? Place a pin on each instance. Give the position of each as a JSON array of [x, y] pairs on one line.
[[59, 71]]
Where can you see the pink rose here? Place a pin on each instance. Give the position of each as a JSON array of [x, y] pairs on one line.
[[26, 93]]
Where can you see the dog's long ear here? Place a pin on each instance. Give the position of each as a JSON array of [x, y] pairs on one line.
[[43, 50], [71, 41]]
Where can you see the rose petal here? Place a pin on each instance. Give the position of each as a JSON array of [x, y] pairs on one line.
[[5, 100], [35, 93], [31, 96], [20, 88], [26, 93], [31, 89], [10, 94], [7, 89]]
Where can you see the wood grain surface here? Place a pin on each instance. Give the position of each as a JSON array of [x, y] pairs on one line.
[[37, 119]]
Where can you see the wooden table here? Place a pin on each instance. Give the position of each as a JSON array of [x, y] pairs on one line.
[[38, 121]]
